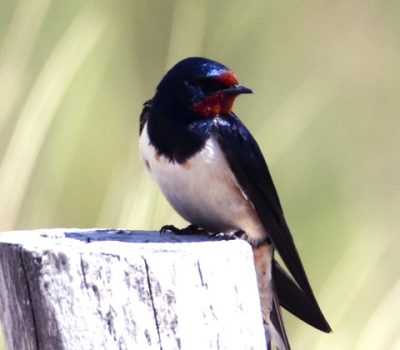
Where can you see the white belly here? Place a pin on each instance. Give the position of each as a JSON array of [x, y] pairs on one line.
[[203, 190]]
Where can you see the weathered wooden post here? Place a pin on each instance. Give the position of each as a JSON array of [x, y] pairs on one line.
[[107, 289]]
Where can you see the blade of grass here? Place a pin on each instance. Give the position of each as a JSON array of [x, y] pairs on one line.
[[298, 111], [396, 343], [138, 207], [15, 53], [187, 32], [2, 345], [40, 109], [353, 269], [384, 323]]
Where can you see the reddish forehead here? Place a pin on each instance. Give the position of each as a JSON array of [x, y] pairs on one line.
[[227, 78]]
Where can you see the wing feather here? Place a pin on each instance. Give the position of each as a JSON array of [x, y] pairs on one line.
[[248, 164]]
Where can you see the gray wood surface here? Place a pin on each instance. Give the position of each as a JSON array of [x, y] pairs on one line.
[[116, 289]]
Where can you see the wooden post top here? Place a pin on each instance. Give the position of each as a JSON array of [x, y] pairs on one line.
[[121, 289]]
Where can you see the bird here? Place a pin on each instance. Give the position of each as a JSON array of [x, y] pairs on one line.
[[213, 173]]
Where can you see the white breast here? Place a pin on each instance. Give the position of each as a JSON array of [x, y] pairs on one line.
[[203, 190]]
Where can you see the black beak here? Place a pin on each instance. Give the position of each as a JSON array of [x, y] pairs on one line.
[[237, 90]]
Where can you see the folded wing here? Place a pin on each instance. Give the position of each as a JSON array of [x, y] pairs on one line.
[[247, 163]]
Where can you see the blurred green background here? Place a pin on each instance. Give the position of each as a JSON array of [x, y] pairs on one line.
[[74, 75]]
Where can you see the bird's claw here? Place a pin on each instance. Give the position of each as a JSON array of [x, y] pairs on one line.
[[170, 228], [228, 236], [191, 229]]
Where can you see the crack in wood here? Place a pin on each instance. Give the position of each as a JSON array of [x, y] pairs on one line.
[[84, 273], [204, 284], [30, 301], [152, 300]]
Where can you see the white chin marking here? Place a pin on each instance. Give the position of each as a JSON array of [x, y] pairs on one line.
[[203, 189]]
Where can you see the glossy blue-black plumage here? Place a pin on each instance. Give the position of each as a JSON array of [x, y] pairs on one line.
[[175, 129], [181, 86], [189, 69]]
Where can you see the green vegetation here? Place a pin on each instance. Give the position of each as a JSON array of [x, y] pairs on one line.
[[73, 77]]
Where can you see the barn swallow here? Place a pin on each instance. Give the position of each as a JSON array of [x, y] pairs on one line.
[[212, 172]]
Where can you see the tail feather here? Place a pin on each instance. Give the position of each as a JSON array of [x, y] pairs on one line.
[[293, 299], [275, 330]]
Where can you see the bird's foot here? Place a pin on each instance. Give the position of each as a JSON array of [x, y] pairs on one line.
[[220, 236], [170, 228], [191, 229], [239, 234], [227, 236]]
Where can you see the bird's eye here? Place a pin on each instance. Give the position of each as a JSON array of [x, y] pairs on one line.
[[208, 85]]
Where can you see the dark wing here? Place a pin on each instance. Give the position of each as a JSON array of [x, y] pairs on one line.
[[247, 163], [144, 114]]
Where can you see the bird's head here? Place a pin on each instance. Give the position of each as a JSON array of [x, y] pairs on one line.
[[198, 87]]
